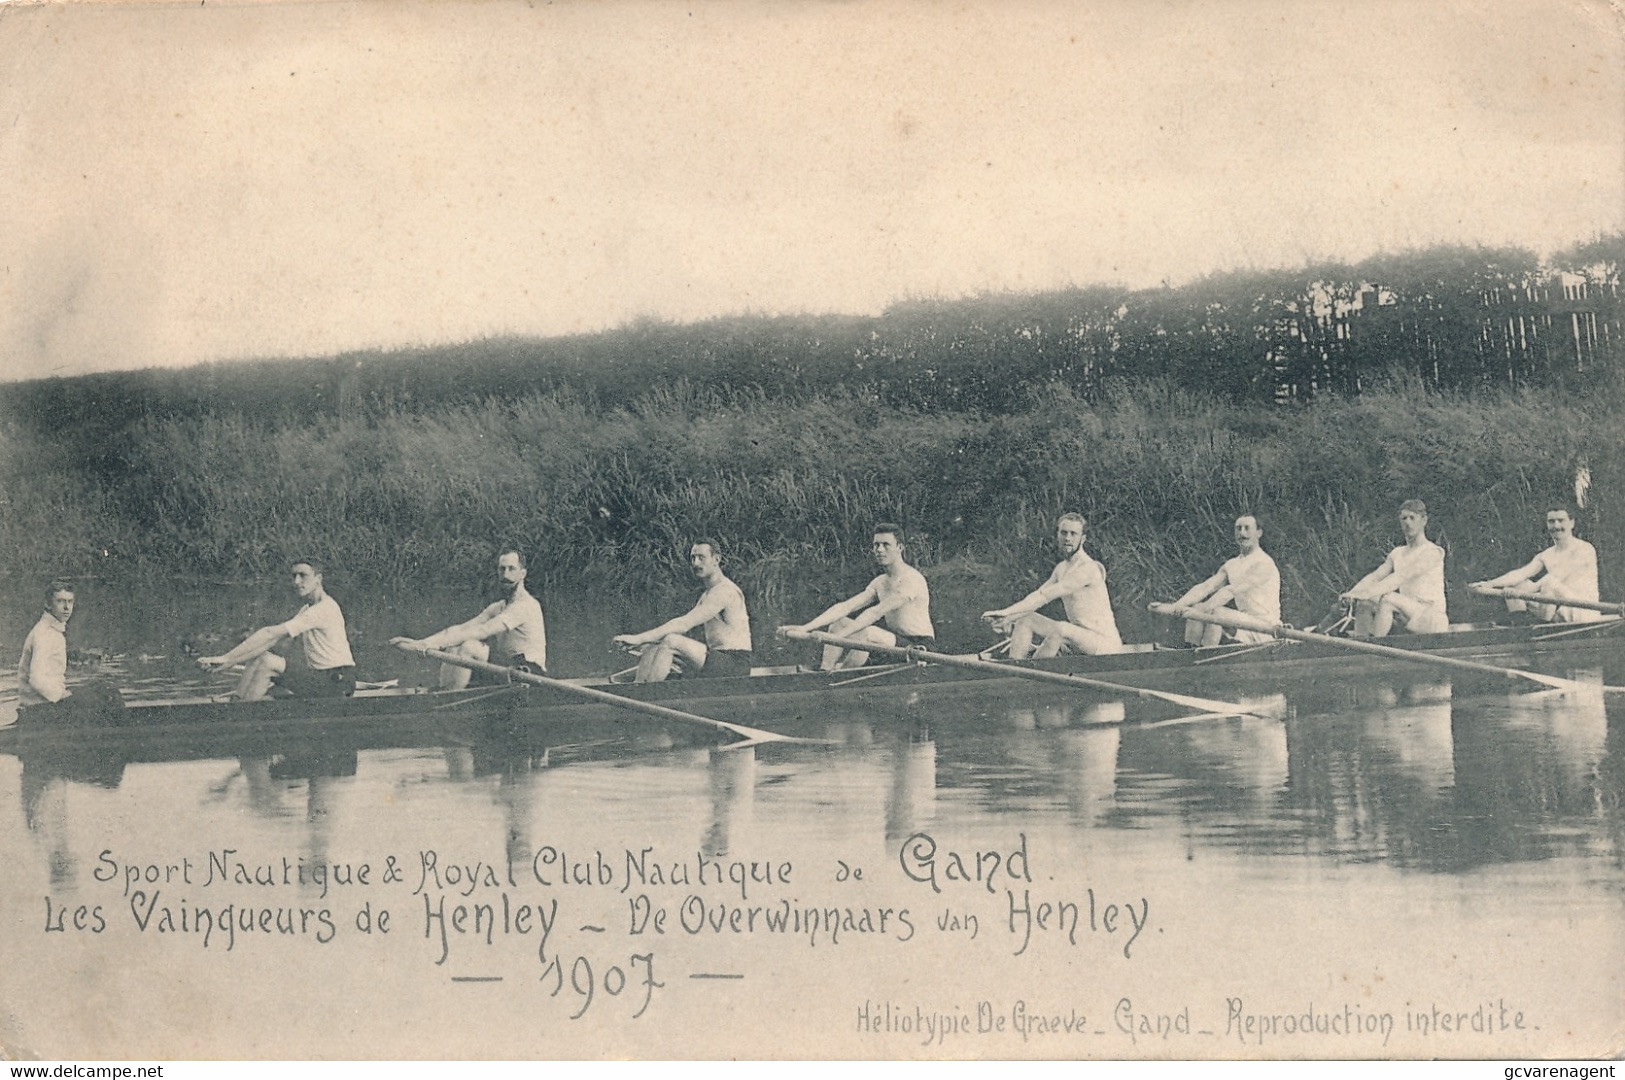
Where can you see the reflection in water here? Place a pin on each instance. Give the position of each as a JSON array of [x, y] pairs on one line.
[[516, 794], [1087, 764], [1525, 769], [1246, 754], [1414, 730], [732, 775], [1413, 772], [44, 787], [913, 788]]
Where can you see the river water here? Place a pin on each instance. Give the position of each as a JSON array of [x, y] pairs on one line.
[[1385, 862]]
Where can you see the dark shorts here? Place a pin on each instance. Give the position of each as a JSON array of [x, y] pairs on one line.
[[491, 678], [314, 683], [726, 664]]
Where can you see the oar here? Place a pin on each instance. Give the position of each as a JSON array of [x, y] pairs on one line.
[[1554, 601], [1237, 620], [750, 735], [1206, 705]]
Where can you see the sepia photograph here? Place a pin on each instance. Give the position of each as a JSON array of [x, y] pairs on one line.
[[631, 530]]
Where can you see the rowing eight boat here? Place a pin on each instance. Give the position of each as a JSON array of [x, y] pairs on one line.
[[769, 698]]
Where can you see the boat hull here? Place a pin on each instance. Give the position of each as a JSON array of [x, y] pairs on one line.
[[775, 699]]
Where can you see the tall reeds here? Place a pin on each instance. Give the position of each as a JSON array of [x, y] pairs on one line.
[[609, 497]]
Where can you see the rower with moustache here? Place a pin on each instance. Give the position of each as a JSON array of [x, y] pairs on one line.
[[899, 597], [510, 632], [726, 650], [1079, 582], [328, 669], [1408, 586], [1566, 570], [1250, 583]]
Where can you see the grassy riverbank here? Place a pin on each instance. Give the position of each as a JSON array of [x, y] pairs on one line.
[[607, 497]]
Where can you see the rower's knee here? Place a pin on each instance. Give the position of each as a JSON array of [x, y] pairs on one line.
[[266, 663], [472, 650]]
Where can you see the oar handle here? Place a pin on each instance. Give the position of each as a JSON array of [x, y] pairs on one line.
[[1242, 621], [590, 693], [919, 654], [1605, 606]]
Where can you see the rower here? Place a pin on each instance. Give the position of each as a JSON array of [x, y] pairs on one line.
[[1079, 583], [1250, 583], [726, 650], [509, 631], [1409, 585], [1566, 570], [328, 670], [899, 597], [42, 673]]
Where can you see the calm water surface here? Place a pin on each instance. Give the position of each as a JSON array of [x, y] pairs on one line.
[[1386, 863]]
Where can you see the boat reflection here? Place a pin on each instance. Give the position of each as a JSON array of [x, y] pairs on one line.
[[1417, 771], [731, 776], [912, 795]]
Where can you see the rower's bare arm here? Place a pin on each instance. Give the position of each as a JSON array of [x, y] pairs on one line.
[[478, 628], [259, 642], [881, 608], [1373, 584], [1025, 606], [707, 609], [1511, 577], [1202, 591], [837, 611]]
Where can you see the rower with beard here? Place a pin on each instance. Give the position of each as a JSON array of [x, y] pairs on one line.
[[1079, 582], [726, 650], [509, 632], [1567, 570], [1250, 583]]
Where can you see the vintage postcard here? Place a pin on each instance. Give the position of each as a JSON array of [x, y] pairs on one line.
[[638, 530]]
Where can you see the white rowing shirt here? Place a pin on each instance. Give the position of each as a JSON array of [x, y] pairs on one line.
[[42, 672], [1255, 587], [1255, 582], [319, 629], [1421, 573], [524, 632]]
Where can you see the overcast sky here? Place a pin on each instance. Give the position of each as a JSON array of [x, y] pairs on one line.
[[191, 183]]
